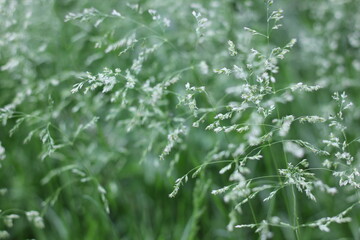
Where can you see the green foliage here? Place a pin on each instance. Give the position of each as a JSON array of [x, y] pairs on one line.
[[179, 119]]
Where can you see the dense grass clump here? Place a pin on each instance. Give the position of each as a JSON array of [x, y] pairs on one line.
[[180, 120]]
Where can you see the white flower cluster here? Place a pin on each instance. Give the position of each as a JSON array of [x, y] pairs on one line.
[[35, 218], [173, 139], [156, 17], [301, 179]]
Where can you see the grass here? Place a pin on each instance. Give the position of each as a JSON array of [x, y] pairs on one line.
[[179, 120]]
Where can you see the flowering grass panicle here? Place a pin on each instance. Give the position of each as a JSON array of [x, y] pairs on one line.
[[179, 119]]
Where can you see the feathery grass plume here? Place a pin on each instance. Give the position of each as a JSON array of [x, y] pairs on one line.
[[251, 110]]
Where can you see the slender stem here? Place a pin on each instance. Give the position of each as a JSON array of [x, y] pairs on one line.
[[296, 219], [294, 213], [252, 212]]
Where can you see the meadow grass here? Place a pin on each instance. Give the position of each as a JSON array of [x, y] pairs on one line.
[[180, 120]]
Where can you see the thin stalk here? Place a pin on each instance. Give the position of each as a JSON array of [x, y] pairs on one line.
[[294, 213]]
